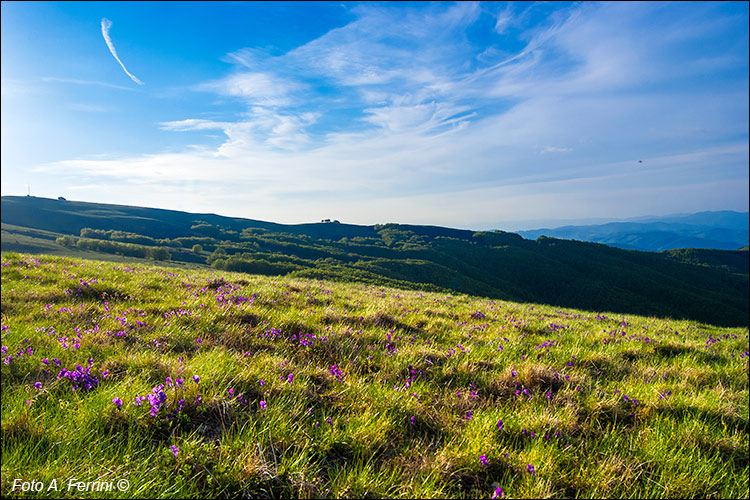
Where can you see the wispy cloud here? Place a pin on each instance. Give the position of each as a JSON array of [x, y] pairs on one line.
[[75, 81], [90, 108], [256, 88], [106, 25], [555, 149], [401, 108]]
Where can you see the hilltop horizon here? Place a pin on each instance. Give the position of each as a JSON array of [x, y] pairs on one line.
[[514, 226]]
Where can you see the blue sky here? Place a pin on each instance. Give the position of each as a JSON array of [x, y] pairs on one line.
[[473, 115]]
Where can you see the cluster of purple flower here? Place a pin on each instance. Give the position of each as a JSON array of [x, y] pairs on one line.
[[178, 313], [19, 354], [478, 315], [308, 339], [546, 344], [224, 298], [631, 400], [336, 372], [67, 343], [523, 391], [156, 398], [80, 377], [712, 340], [473, 391]]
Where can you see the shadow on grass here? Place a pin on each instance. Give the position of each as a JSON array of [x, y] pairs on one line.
[[21, 432], [466, 483], [377, 320], [669, 350], [692, 413]]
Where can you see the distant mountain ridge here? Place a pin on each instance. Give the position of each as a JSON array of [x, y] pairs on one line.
[[722, 230], [710, 286]]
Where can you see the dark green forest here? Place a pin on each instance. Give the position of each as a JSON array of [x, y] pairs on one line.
[[705, 285]]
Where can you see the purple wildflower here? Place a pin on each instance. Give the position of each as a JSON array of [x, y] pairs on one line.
[[196, 379], [263, 405], [498, 493], [500, 425], [483, 459], [336, 372], [38, 386], [530, 468], [175, 449], [80, 377], [117, 402]]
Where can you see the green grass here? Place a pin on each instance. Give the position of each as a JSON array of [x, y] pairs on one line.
[[393, 393]]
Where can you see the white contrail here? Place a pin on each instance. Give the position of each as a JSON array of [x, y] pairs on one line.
[[106, 24]]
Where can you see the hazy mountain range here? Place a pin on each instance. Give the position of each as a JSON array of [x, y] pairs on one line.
[[724, 230]]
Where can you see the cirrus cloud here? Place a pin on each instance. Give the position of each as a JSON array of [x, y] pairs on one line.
[[106, 25]]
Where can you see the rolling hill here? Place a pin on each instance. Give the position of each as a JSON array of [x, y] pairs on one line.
[[707, 286]]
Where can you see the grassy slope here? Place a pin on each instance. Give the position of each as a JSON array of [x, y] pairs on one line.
[[33, 241], [392, 393]]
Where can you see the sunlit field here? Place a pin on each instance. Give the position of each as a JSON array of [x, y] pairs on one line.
[[124, 380]]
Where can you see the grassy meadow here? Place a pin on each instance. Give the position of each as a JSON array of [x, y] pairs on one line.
[[189, 382]]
